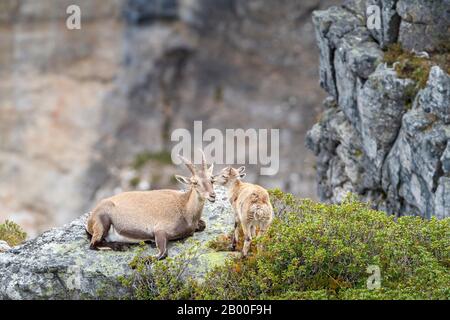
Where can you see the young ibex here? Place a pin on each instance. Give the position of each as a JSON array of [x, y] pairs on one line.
[[251, 205], [159, 215]]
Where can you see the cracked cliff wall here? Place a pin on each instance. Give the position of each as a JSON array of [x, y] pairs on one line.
[[383, 136]]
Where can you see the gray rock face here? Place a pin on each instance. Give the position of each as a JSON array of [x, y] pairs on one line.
[[417, 24], [381, 104], [376, 138], [390, 22], [389, 18], [146, 11], [330, 26], [355, 59], [4, 246], [425, 24], [413, 170], [59, 265]]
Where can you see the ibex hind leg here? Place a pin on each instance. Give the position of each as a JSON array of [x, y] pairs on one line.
[[235, 236], [161, 243], [89, 236], [100, 227], [253, 230], [247, 239]]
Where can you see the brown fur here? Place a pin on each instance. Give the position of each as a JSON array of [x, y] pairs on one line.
[[251, 205], [158, 215]]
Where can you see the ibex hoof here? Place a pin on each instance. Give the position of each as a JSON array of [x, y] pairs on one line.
[[160, 256], [94, 246], [201, 226]]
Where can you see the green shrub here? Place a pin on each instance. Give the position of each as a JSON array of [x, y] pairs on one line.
[[322, 251], [160, 280], [134, 182], [12, 233], [408, 65], [143, 158], [316, 251]]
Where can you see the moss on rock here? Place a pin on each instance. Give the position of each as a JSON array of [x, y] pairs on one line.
[[12, 233]]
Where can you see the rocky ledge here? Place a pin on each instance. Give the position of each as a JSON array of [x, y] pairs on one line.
[[59, 265]]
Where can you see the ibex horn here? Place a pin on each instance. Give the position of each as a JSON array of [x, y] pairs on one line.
[[188, 164], [204, 165]]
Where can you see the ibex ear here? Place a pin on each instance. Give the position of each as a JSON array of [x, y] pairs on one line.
[[241, 169], [242, 175], [181, 179]]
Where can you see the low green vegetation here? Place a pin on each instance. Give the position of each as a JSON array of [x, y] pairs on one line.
[[134, 182], [160, 280], [319, 251], [12, 233], [409, 65], [143, 158]]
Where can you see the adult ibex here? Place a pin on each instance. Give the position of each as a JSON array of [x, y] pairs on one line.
[[159, 215], [251, 205]]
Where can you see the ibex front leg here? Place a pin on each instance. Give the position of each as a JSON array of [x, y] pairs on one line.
[[161, 244]]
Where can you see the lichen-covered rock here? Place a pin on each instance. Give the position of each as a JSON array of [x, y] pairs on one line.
[[338, 148], [380, 138], [390, 22], [330, 26], [4, 246], [59, 265], [423, 11], [396, 158], [422, 37], [435, 99], [381, 105], [389, 18], [413, 170], [417, 24], [425, 25], [356, 57]]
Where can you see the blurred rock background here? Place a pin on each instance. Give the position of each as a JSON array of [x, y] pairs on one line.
[[88, 113]]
